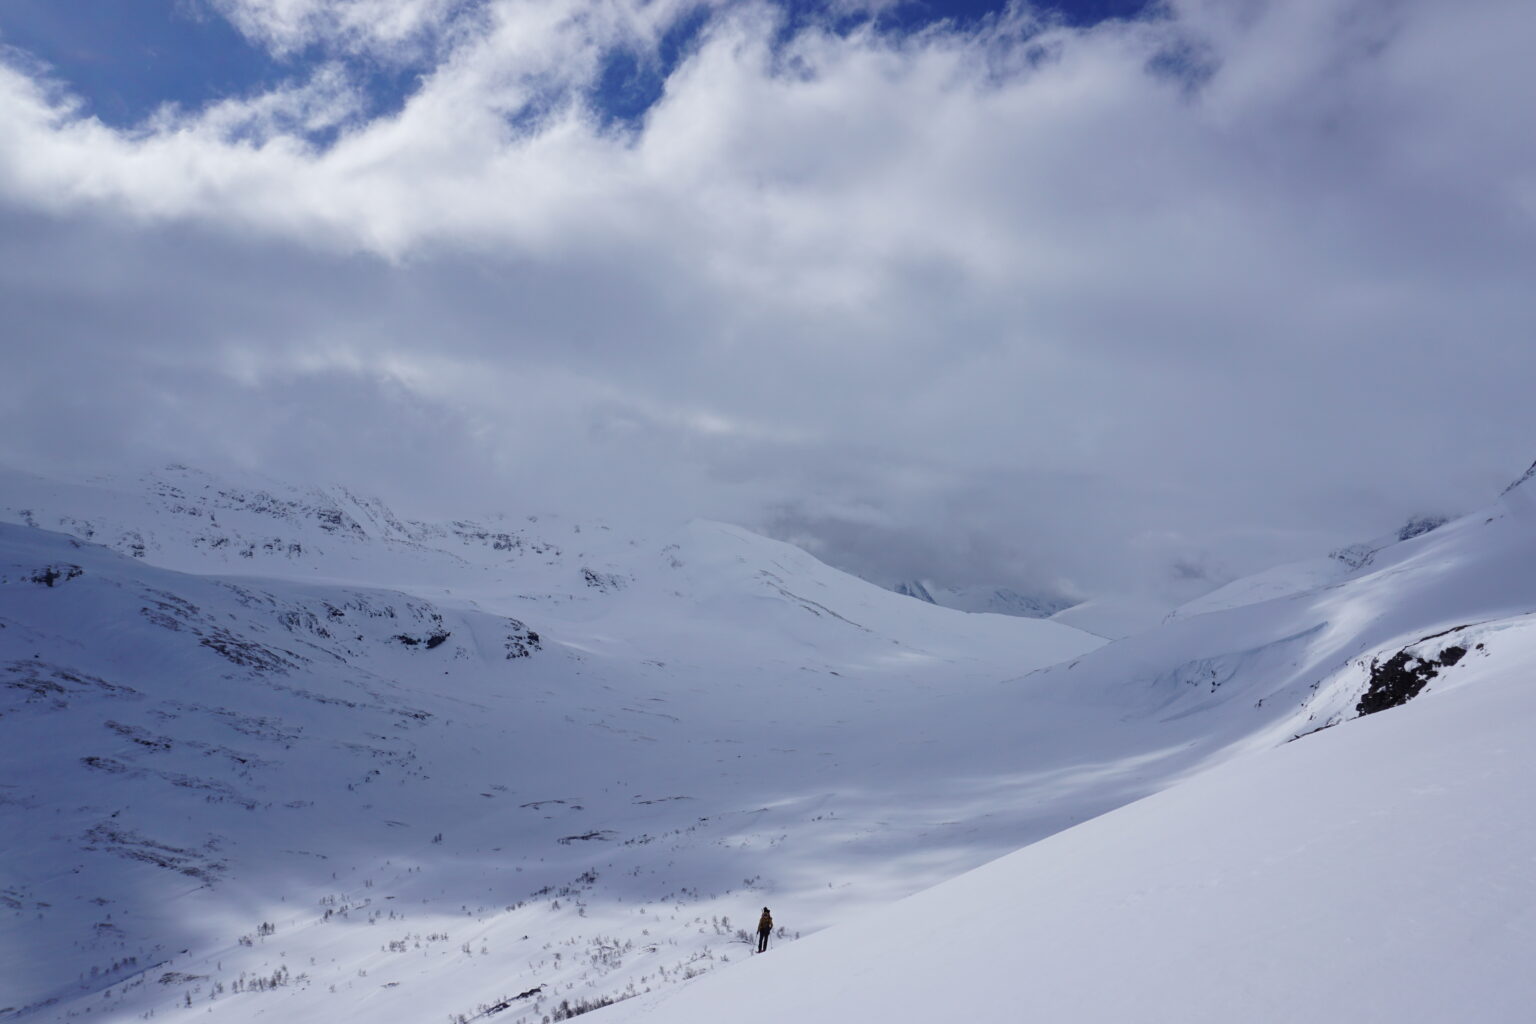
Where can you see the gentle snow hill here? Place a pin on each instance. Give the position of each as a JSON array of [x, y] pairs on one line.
[[1114, 618]]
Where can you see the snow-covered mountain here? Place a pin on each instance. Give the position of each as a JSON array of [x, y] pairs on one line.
[[1117, 616], [277, 751], [1297, 577], [994, 599], [264, 747], [1327, 866]]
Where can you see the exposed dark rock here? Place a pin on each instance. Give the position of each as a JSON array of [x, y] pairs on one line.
[[521, 641], [1528, 475], [248, 653], [160, 619], [213, 790], [433, 639], [131, 845], [604, 581], [1355, 555], [52, 575], [1403, 676], [600, 834], [496, 540], [52, 685], [915, 588], [140, 736], [1420, 525]]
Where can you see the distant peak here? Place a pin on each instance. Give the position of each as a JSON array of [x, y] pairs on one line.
[[914, 588], [1420, 525]]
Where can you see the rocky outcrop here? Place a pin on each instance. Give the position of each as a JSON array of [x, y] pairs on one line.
[[1403, 676]]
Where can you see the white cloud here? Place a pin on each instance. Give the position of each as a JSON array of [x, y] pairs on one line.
[[1024, 285], [381, 27]]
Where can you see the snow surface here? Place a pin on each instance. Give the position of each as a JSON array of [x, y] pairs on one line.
[[1115, 617], [270, 751], [1297, 577], [1378, 872], [1381, 870], [623, 742]]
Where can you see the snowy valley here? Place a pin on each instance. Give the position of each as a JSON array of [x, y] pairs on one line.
[[279, 752]]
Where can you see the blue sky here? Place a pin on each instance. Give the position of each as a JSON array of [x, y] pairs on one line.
[[126, 59]]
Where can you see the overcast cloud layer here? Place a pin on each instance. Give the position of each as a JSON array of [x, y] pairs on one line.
[[1079, 308]]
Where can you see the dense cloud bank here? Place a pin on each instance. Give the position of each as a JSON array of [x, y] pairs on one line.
[[1082, 308]]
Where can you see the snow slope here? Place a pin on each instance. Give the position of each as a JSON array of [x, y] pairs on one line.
[[1376, 871], [552, 756], [1115, 617], [1297, 577]]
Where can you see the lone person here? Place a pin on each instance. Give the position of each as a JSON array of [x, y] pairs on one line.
[[764, 927]]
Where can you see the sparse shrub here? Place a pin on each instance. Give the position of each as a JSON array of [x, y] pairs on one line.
[[567, 1009]]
